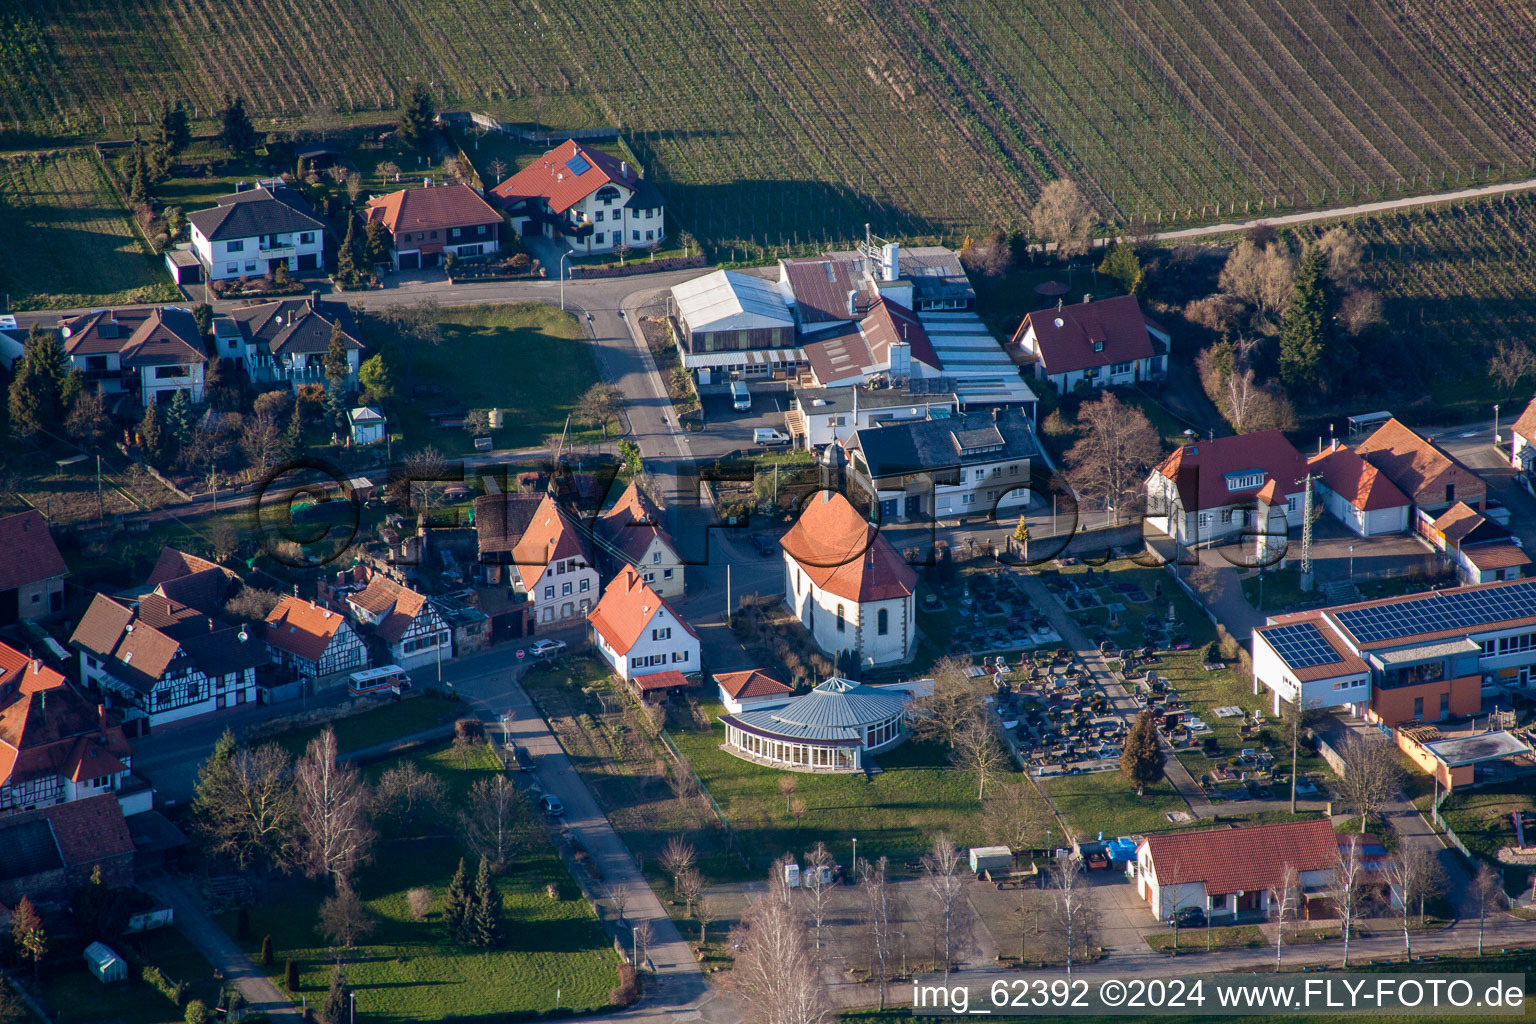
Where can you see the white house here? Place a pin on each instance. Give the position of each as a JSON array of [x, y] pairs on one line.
[[1108, 342], [256, 230], [1522, 444], [368, 425], [1232, 872], [427, 225], [638, 633], [847, 585], [972, 464], [286, 340], [150, 353], [1358, 494], [555, 568], [752, 690], [633, 532], [819, 416], [1230, 489], [407, 624], [314, 642], [591, 200]]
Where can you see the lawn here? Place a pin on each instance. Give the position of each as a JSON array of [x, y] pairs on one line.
[[407, 970], [1105, 802], [894, 813], [1279, 592], [76, 997], [1481, 817], [80, 248], [528, 359], [389, 721]]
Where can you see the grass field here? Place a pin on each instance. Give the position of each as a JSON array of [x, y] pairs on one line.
[[60, 212], [801, 126], [1481, 817], [76, 997], [528, 359], [406, 971], [386, 722]]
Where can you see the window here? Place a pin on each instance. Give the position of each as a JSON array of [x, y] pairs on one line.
[[664, 633], [250, 268], [842, 623], [100, 362], [655, 556], [991, 495], [597, 239], [967, 499], [565, 589], [997, 471], [586, 585], [980, 474], [454, 233], [649, 577], [1445, 705], [679, 656], [480, 230], [434, 235], [1098, 346], [166, 372], [666, 574], [1418, 707], [549, 613], [232, 268], [883, 621], [650, 235], [237, 246], [1120, 368], [634, 236], [599, 217], [1450, 492], [306, 237], [1013, 470], [549, 592]]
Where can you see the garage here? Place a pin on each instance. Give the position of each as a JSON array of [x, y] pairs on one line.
[[409, 260], [309, 261]]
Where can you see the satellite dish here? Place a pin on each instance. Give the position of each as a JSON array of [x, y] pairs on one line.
[[243, 636], [1060, 322]]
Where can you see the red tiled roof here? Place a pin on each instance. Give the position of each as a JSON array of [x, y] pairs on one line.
[[1525, 426], [754, 682], [626, 608], [1358, 482], [552, 179], [1199, 470], [1118, 323], [551, 536], [1242, 859], [90, 830], [1347, 665], [433, 208], [1457, 521], [27, 551], [302, 628], [398, 605], [889, 323], [845, 555], [633, 523], [173, 564], [666, 680], [1418, 466], [1496, 556]]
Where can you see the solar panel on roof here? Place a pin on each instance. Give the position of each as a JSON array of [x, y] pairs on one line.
[[578, 164], [1301, 645], [1440, 613]]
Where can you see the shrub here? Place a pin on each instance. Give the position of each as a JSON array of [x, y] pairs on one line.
[[197, 1013], [627, 990], [175, 991], [266, 951], [291, 976], [419, 902], [468, 730]]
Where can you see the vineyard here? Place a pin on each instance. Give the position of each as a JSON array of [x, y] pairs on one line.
[[783, 122], [64, 227], [1459, 283]]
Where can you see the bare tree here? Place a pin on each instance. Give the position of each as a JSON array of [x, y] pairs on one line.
[[1118, 446], [1360, 310], [770, 969], [644, 934], [498, 169], [344, 917], [1371, 776], [405, 786], [1410, 873], [943, 880], [877, 919], [1063, 217], [419, 902], [1343, 251], [818, 890], [419, 481], [1284, 897], [598, 405], [939, 715], [488, 821], [988, 256], [1019, 815], [1073, 910], [262, 443], [677, 856], [1511, 362], [333, 811], [977, 749], [618, 899], [246, 806], [1261, 277], [1488, 895], [1346, 888], [690, 886], [787, 785], [705, 914]]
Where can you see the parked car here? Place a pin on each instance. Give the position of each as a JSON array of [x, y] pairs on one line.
[[547, 648], [551, 805], [523, 758], [1187, 917], [741, 398], [768, 436], [764, 544]]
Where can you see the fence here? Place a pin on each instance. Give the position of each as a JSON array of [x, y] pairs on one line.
[[546, 136], [1443, 825]]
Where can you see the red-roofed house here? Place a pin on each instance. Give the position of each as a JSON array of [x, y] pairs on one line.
[[1358, 494], [1421, 469], [426, 223], [848, 585], [49, 851], [638, 633], [151, 353], [31, 569], [411, 629], [752, 690], [633, 532], [1481, 549], [1230, 871], [554, 567], [313, 641], [594, 201], [1106, 342], [1228, 489], [1522, 444]]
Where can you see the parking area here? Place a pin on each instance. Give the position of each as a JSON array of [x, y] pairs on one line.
[[727, 430]]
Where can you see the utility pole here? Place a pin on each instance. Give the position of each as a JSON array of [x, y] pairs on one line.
[[101, 511], [727, 593], [1306, 536]]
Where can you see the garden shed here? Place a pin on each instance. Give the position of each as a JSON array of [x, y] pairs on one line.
[[105, 964]]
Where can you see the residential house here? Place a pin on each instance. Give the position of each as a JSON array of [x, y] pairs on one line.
[[728, 323], [1481, 549], [588, 199], [50, 852], [1416, 658], [752, 690], [165, 660], [174, 565], [633, 532], [554, 568], [1421, 469], [55, 746], [286, 340], [1228, 490], [971, 464], [1231, 873], [847, 585], [32, 571], [818, 417], [638, 633], [427, 224], [257, 230], [1358, 494], [839, 287], [313, 642], [1522, 445], [1105, 343], [368, 425], [149, 354], [406, 624], [500, 522]]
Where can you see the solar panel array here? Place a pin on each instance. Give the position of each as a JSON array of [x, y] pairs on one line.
[[578, 165], [1441, 612], [1301, 645]]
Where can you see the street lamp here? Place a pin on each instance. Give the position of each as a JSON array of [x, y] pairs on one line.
[[1495, 424], [1351, 561], [560, 273], [854, 870], [352, 1004]]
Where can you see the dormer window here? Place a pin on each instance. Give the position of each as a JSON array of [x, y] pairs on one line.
[[1245, 480], [1098, 346]]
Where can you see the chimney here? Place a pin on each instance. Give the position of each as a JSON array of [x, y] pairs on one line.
[[1058, 304], [101, 717], [1087, 298], [623, 168]]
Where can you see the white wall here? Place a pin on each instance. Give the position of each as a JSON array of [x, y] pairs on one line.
[[653, 569], [581, 574], [860, 630], [1270, 670], [678, 648], [249, 260], [736, 707]]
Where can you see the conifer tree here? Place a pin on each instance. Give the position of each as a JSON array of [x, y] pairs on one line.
[[334, 1010], [36, 403], [236, 131], [376, 244], [1304, 328], [178, 418], [485, 918], [1122, 265], [456, 903], [1141, 761], [152, 435], [346, 255], [416, 117], [293, 436]]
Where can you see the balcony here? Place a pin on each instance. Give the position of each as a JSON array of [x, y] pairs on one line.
[[278, 252]]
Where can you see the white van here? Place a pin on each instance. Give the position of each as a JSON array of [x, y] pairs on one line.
[[741, 398]]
